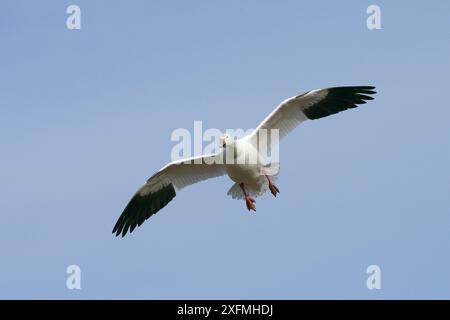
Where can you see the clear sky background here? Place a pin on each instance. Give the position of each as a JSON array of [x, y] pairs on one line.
[[86, 116]]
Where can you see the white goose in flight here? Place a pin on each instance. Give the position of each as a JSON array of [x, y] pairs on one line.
[[251, 179]]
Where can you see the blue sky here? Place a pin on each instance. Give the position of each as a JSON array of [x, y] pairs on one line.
[[86, 117]]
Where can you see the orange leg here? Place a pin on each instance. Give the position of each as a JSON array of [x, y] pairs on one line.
[[273, 188], [249, 201]]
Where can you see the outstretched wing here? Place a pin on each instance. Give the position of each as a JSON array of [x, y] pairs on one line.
[[311, 105], [162, 187]]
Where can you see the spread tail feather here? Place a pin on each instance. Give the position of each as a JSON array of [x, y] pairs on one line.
[[257, 189]]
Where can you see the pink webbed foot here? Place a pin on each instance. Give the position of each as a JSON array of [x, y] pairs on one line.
[[273, 189], [250, 202]]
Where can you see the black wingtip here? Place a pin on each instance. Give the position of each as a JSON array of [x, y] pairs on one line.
[[339, 99], [140, 208]]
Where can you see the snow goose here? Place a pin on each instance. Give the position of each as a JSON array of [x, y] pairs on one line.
[[252, 178]]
